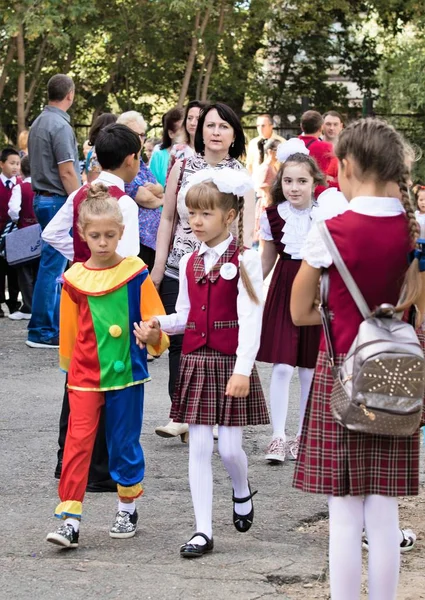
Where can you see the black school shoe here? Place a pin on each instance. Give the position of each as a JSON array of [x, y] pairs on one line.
[[189, 550], [243, 522], [64, 536], [125, 525]]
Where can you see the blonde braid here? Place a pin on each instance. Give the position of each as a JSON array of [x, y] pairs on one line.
[[244, 275], [407, 205]]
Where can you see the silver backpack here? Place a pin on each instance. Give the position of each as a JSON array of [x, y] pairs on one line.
[[379, 388]]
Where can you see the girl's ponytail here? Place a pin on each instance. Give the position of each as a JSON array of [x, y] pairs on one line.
[[244, 274]]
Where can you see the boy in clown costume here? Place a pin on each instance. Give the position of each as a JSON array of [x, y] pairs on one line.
[[102, 301]]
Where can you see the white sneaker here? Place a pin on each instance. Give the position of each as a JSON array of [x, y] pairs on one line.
[[275, 451], [173, 430], [19, 316], [292, 448], [407, 544]]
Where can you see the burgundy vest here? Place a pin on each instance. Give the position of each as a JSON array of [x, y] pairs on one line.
[[26, 215], [375, 250], [276, 225], [81, 250], [5, 194], [213, 316]]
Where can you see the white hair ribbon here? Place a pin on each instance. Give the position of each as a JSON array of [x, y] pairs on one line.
[[227, 180], [292, 146]]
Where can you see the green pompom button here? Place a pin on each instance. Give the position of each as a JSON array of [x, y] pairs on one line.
[[119, 366]]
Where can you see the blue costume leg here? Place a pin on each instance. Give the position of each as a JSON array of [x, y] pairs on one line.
[[124, 417]]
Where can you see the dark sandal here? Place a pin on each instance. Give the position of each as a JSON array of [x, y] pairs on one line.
[[189, 550], [243, 522]]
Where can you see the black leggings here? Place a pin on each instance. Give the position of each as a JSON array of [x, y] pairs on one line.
[[169, 291]]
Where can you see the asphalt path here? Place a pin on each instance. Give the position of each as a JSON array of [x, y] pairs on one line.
[[249, 566]]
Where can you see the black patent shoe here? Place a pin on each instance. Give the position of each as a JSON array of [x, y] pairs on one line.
[[189, 550], [243, 522]]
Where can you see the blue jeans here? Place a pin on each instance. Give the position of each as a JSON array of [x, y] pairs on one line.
[[44, 323]]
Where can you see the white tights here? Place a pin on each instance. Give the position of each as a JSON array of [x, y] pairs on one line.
[[279, 396], [201, 445], [348, 515]]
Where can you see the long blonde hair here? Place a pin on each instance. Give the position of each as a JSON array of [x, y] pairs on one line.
[[206, 196]]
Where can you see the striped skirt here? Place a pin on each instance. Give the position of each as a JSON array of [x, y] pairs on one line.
[[200, 393], [335, 461]]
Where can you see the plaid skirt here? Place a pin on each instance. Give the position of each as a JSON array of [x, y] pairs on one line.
[[335, 461], [200, 394]]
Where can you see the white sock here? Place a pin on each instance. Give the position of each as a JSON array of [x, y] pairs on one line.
[[279, 398], [201, 447], [236, 463], [345, 546], [129, 507], [74, 522], [383, 536], [306, 378]]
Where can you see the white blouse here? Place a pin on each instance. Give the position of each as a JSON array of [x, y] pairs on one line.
[[314, 251], [249, 314], [297, 225]]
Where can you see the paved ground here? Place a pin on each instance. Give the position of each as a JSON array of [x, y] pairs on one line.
[[278, 550]]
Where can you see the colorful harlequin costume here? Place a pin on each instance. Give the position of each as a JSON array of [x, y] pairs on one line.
[[105, 366]]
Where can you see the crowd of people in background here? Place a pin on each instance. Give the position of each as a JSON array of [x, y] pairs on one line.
[[170, 242]]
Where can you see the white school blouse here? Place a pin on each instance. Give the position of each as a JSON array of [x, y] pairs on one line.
[[250, 315]]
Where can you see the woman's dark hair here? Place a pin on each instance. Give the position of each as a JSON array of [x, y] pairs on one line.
[[114, 143], [169, 122], [99, 123], [237, 148], [192, 104], [276, 192]]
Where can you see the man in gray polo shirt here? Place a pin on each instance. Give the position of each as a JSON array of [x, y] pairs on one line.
[[53, 154]]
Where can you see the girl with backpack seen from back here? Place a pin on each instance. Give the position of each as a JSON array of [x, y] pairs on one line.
[[361, 473]]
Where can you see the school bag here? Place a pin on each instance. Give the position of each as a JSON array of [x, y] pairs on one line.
[[379, 387]]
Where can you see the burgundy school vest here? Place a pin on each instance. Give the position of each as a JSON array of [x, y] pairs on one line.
[[276, 225], [213, 316], [375, 250], [81, 250], [5, 194], [26, 215]]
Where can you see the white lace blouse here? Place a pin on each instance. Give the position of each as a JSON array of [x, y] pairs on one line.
[[297, 225]]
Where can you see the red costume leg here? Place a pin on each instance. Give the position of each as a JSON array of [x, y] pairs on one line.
[[83, 421]]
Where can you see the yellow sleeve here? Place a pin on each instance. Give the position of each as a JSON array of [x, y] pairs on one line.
[[68, 328], [151, 306]]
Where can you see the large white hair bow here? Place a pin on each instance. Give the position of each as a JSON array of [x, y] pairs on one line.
[[292, 146], [227, 180]]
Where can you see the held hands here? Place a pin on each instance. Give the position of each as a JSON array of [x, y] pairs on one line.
[[147, 332], [238, 386]]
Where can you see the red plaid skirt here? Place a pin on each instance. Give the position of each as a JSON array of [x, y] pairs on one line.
[[335, 461], [200, 394]]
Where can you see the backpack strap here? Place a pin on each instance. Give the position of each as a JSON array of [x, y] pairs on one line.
[[343, 271]]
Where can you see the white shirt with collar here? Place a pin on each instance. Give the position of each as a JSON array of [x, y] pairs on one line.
[[4, 179], [57, 231], [15, 201], [249, 314], [314, 251]]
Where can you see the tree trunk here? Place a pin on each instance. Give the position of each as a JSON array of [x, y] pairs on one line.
[[20, 108], [35, 77], [212, 55], [200, 78], [9, 57], [198, 33]]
